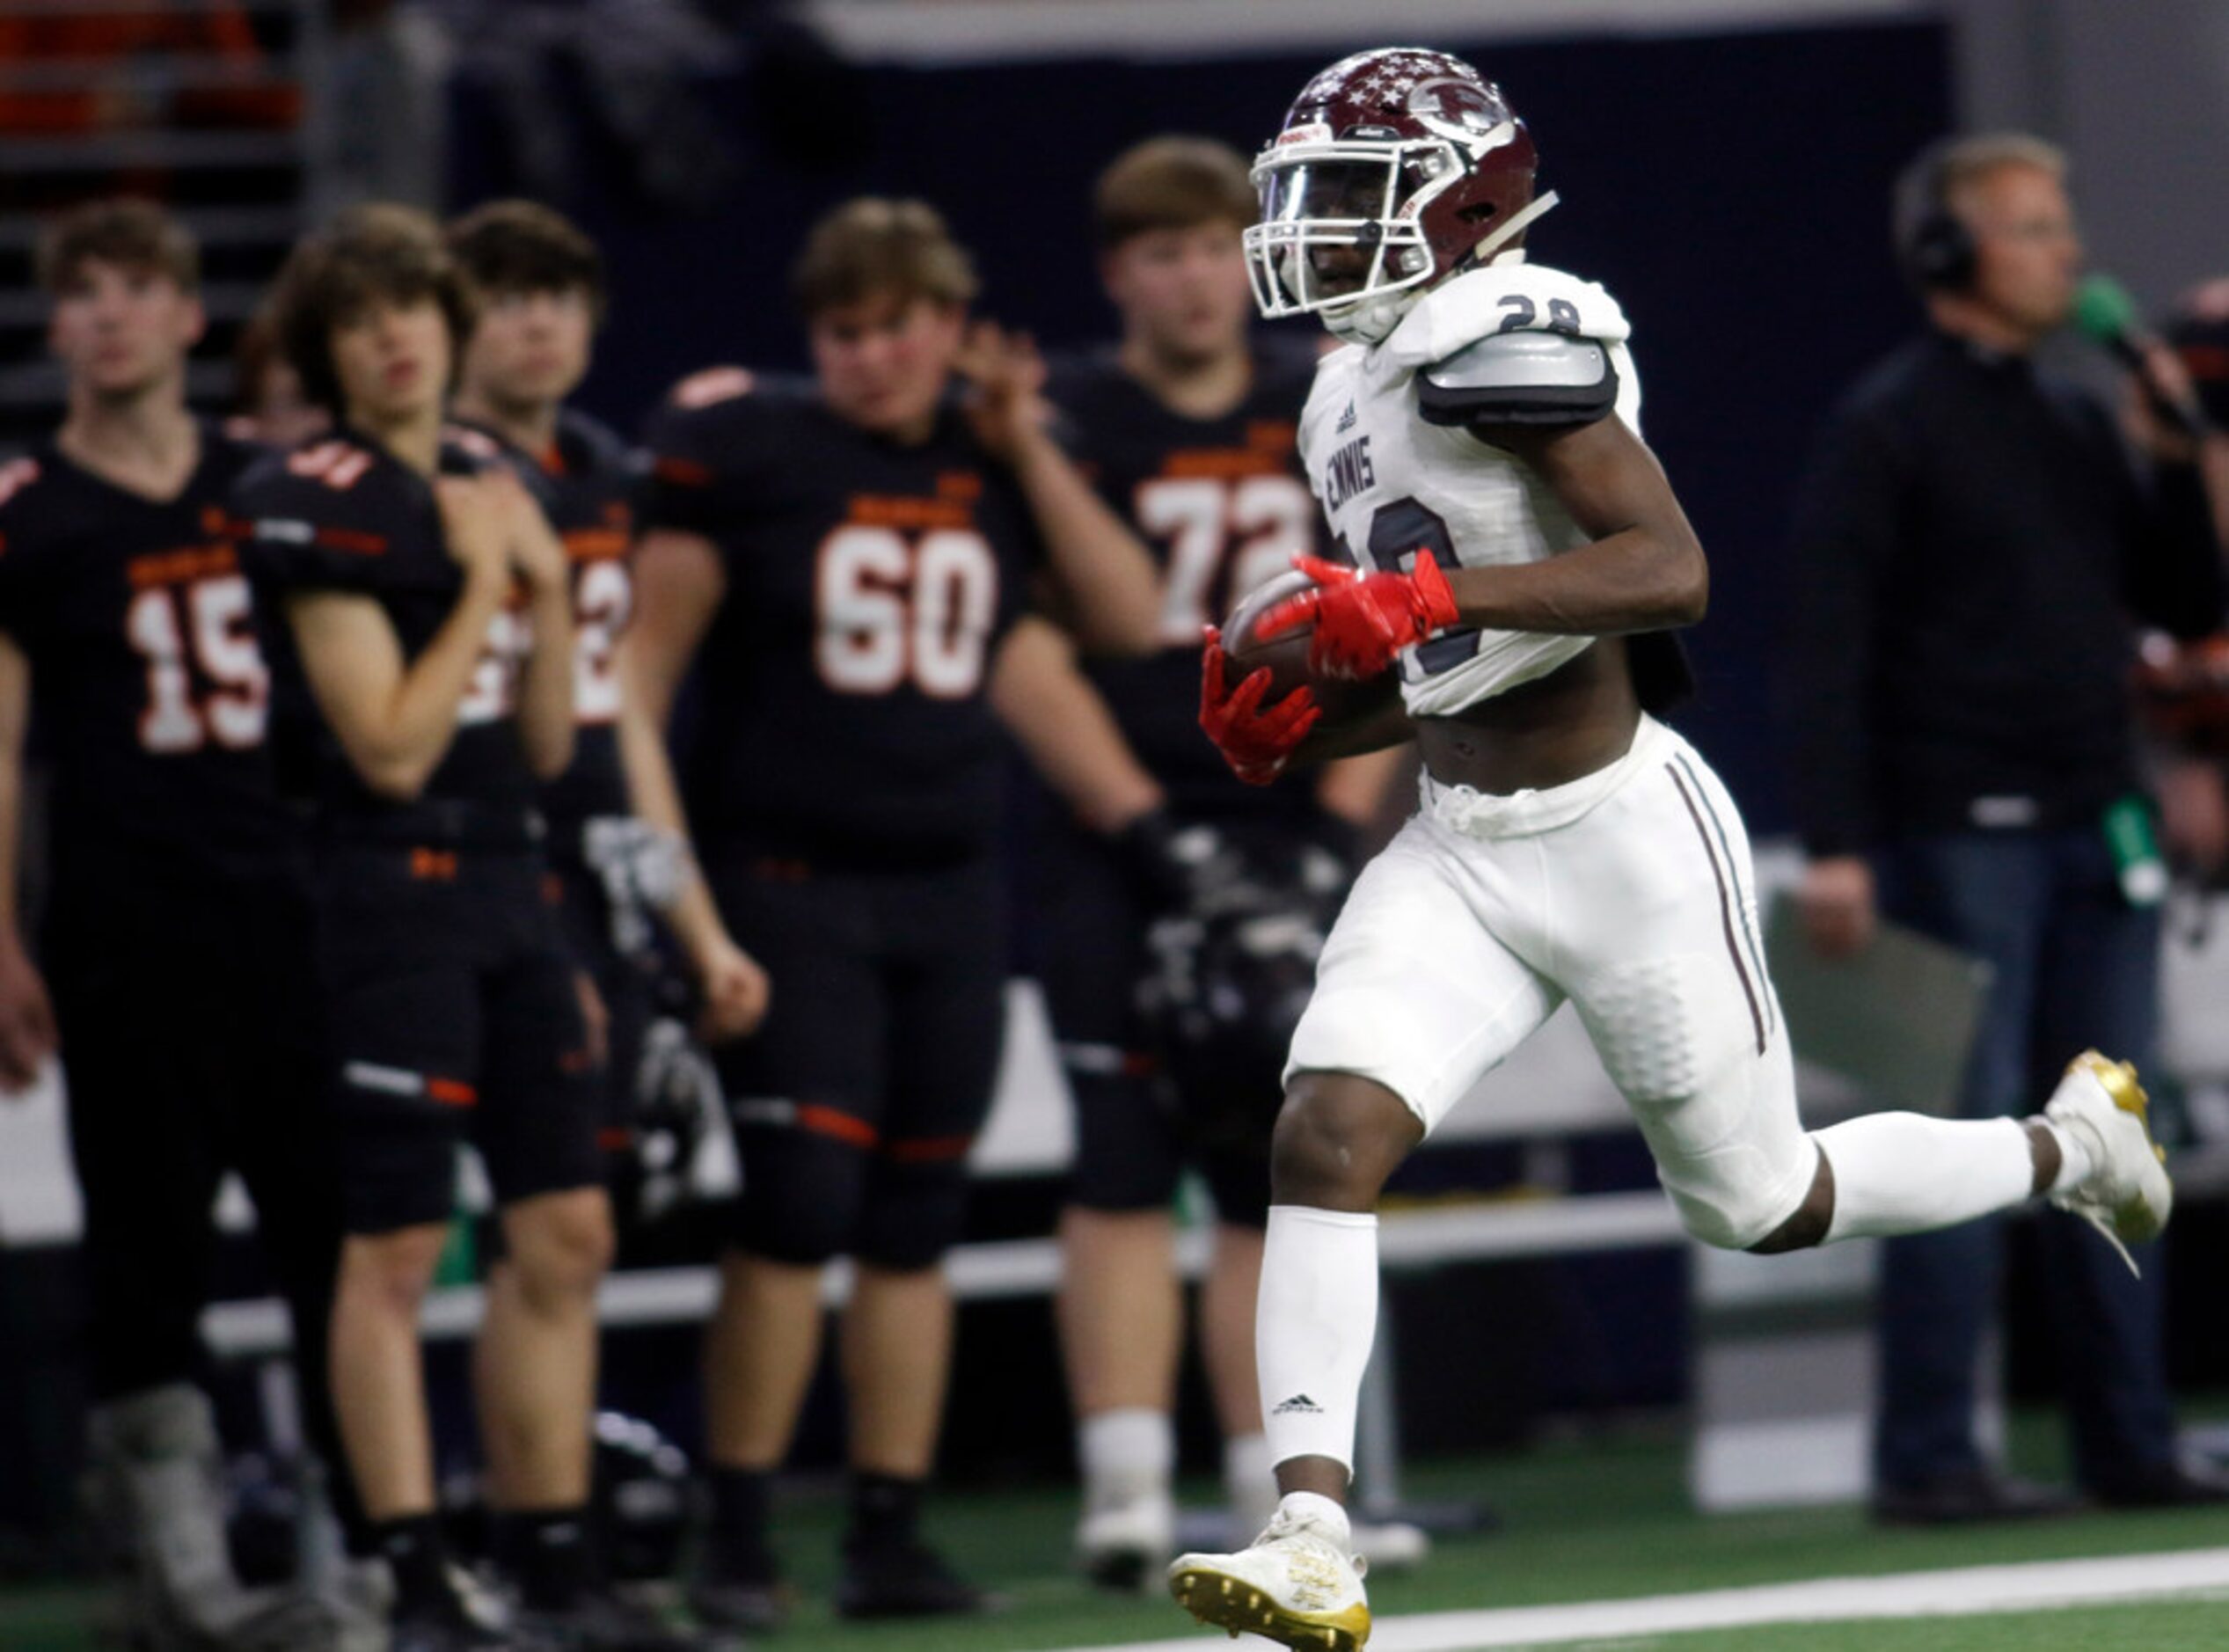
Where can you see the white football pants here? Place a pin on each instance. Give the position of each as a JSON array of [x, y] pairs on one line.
[[1628, 892]]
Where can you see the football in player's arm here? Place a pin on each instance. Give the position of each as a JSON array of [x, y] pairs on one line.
[[848, 563], [177, 937], [422, 605]]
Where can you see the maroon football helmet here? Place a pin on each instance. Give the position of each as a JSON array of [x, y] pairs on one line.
[[1395, 167]]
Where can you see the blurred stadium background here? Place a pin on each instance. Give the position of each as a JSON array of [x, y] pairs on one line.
[[1558, 1353]]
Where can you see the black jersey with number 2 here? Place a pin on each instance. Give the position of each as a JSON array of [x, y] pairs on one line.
[[844, 713], [1222, 505], [340, 514], [587, 482], [149, 689]]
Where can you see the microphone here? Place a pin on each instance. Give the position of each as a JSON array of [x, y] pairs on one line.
[[2106, 316]]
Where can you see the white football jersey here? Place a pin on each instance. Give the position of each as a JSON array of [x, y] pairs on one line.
[[1392, 483]]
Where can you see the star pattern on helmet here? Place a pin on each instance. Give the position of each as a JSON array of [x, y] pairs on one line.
[[1386, 82]]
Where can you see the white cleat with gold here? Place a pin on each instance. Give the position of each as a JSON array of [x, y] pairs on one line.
[[1296, 1584], [2126, 1195]]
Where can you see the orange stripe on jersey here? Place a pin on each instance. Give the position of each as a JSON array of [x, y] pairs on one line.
[[369, 544], [452, 1092], [837, 1125], [880, 510], [929, 1149], [1225, 462], [181, 567], [596, 544], [683, 473], [615, 1139], [965, 486]]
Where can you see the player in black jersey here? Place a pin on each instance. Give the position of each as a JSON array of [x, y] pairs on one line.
[[1187, 426], [540, 284], [177, 938], [848, 563], [423, 610]]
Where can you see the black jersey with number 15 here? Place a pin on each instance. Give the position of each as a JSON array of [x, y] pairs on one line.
[[342, 514], [868, 585], [147, 683], [1222, 505]]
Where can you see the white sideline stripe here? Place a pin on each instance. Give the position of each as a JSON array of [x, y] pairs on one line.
[[1962, 1592]]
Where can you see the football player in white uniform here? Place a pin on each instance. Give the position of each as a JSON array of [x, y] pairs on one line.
[[1517, 556]]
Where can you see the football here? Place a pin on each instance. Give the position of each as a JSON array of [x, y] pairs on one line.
[[1286, 656]]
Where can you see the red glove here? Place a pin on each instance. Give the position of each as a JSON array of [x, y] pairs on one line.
[[1257, 745], [1361, 620]]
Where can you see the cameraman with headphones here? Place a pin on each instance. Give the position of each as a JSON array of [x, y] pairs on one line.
[[1972, 551]]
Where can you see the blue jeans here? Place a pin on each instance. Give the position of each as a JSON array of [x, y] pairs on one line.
[[2076, 966]]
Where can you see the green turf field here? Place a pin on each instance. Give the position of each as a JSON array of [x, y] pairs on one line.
[[1601, 1519]]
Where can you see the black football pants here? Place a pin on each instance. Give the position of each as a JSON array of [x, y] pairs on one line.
[[190, 1046]]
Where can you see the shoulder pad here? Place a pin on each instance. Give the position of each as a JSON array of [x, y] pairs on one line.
[[305, 520], [711, 384], [16, 475], [476, 445], [1504, 298], [1522, 378], [333, 464]]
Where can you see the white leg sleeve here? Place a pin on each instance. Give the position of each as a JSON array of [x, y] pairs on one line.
[[1126, 1454], [1905, 1173], [1313, 1323]]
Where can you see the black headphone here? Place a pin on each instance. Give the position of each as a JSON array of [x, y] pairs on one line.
[[1932, 242]]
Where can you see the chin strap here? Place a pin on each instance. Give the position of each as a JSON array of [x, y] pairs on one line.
[[1515, 224]]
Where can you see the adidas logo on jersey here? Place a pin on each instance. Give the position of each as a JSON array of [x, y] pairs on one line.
[[1298, 1403], [1346, 419]]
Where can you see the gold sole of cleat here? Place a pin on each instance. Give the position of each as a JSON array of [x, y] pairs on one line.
[[2121, 1082], [2134, 1223], [1230, 1604]]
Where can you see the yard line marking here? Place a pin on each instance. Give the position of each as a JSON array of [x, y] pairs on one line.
[[1962, 1591]]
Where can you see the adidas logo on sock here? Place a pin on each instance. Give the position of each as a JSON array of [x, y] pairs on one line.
[[1346, 419], [1298, 1403]]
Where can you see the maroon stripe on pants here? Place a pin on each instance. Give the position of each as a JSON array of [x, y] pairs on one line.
[[1725, 904]]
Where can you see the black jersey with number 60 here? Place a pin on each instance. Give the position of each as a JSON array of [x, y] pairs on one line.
[[587, 482], [149, 690], [844, 715], [1224, 505], [340, 514]]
